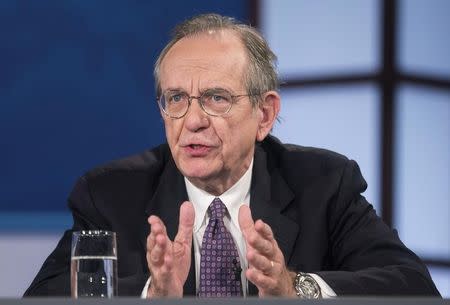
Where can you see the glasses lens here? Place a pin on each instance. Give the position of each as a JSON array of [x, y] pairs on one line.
[[216, 101], [174, 104]]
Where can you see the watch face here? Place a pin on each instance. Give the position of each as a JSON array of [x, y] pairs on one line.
[[307, 287]]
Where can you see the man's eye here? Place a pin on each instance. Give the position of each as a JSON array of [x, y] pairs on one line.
[[175, 98], [218, 98]]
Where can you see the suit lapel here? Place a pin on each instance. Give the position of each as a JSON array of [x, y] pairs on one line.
[[269, 195], [165, 203]]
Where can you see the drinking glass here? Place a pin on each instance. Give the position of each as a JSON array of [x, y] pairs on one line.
[[93, 270]]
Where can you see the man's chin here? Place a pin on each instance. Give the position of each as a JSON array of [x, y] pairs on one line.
[[197, 175], [200, 171]]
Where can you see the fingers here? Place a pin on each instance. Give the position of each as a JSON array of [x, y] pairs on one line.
[[262, 244], [257, 235], [268, 271], [245, 220], [186, 223], [156, 226], [262, 249], [267, 268], [158, 252], [264, 229], [157, 229], [279, 284], [168, 261], [260, 280], [262, 263], [157, 242], [252, 236]]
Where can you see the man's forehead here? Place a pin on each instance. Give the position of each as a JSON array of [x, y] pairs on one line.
[[210, 45], [209, 58]]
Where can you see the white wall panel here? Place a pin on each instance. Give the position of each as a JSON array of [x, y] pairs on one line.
[[21, 257], [441, 277], [322, 37], [343, 119], [422, 170], [424, 43]]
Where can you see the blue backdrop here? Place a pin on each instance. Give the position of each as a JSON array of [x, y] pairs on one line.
[[76, 89]]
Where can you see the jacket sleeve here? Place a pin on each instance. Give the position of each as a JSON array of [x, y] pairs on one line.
[[368, 257], [53, 279]]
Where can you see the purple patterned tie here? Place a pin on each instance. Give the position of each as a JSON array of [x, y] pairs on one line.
[[220, 268]]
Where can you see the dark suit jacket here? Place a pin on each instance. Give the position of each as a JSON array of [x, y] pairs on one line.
[[310, 197]]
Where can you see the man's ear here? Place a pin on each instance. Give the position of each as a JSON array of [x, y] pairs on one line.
[[269, 108]]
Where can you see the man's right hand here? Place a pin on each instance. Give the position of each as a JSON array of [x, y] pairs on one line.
[[169, 261]]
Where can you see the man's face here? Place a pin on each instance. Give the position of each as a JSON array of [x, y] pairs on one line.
[[212, 152]]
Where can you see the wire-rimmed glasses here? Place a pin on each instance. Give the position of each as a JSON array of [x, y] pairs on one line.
[[215, 102]]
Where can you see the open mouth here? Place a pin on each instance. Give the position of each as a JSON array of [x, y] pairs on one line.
[[197, 150], [196, 146]]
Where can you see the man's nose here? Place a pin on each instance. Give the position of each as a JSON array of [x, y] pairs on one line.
[[196, 118]]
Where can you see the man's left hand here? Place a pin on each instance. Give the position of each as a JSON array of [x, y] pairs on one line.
[[266, 265]]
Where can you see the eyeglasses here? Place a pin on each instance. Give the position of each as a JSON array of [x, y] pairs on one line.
[[215, 102]]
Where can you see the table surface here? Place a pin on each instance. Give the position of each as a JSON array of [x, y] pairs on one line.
[[247, 301]]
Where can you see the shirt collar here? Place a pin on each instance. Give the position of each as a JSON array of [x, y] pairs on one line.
[[233, 198]]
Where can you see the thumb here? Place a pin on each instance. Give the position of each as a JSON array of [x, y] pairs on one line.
[[246, 222], [186, 223]]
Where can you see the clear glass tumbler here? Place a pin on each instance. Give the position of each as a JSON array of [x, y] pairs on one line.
[[93, 270]]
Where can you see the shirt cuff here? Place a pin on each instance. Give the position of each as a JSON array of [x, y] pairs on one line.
[[325, 289], [144, 291]]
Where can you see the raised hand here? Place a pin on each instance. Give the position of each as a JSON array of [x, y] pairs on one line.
[[169, 261], [266, 265]]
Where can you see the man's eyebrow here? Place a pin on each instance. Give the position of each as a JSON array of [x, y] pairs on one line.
[[177, 89], [217, 89], [201, 91]]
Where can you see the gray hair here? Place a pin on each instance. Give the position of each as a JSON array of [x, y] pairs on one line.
[[261, 75]]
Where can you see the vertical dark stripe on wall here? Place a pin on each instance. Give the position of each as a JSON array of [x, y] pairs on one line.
[[388, 81], [254, 12]]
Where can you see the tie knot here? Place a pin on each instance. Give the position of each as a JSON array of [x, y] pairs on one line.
[[217, 209]]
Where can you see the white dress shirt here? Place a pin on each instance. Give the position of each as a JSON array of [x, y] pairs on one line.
[[233, 198]]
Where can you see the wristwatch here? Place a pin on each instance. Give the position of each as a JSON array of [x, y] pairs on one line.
[[306, 286]]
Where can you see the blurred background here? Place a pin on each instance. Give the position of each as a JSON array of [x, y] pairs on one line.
[[367, 78]]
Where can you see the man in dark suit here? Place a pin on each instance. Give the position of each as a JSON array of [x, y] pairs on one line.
[[314, 235]]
